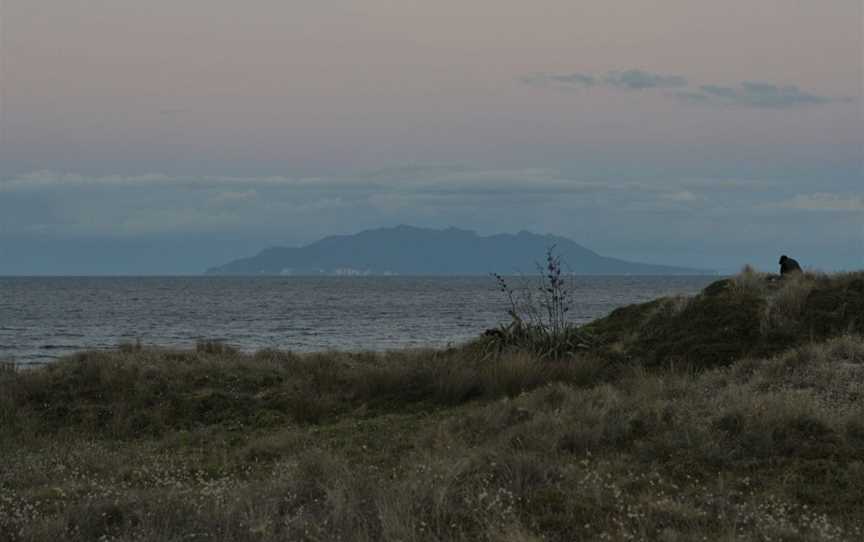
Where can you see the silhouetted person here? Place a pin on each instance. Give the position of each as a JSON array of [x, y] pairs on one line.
[[788, 265]]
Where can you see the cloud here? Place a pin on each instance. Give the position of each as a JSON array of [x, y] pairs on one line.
[[562, 80], [822, 202], [683, 196], [731, 184], [57, 179], [72, 204], [746, 94], [411, 179], [230, 198], [457, 174], [623, 80], [753, 94], [47, 178], [640, 80]]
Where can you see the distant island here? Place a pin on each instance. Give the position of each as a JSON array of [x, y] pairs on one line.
[[408, 250]]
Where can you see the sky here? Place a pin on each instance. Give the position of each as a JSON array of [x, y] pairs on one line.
[[169, 136]]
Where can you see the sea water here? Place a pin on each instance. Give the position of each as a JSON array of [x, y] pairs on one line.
[[42, 319]]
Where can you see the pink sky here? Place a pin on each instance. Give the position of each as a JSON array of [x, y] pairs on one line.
[[645, 128], [311, 84]]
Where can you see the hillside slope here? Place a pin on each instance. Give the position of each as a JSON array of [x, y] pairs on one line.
[[752, 314]]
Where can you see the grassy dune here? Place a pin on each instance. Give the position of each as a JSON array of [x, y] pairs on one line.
[[737, 414]]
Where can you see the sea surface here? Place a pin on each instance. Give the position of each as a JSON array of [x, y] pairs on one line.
[[42, 319]]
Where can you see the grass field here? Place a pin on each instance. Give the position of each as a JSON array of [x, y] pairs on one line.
[[737, 414]]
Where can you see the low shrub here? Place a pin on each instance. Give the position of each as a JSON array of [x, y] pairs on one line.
[[538, 313]]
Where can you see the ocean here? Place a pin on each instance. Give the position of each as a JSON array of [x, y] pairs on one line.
[[42, 319]]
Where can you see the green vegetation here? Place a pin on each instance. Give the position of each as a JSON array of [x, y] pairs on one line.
[[737, 414], [538, 311], [752, 314]]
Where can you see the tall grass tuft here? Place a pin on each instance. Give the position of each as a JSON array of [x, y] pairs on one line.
[[785, 308], [8, 383], [539, 314], [130, 347], [214, 348], [749, 280]]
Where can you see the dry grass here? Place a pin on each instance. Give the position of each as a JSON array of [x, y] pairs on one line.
[[130, 393], [752, 281], [751, 314], [761, 450], [785, 306], [604, 444]]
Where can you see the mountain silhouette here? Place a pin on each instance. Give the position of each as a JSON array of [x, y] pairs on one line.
[[407, 250]]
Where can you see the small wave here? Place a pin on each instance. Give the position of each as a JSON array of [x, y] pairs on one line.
[[58, 347], [29, 364]]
